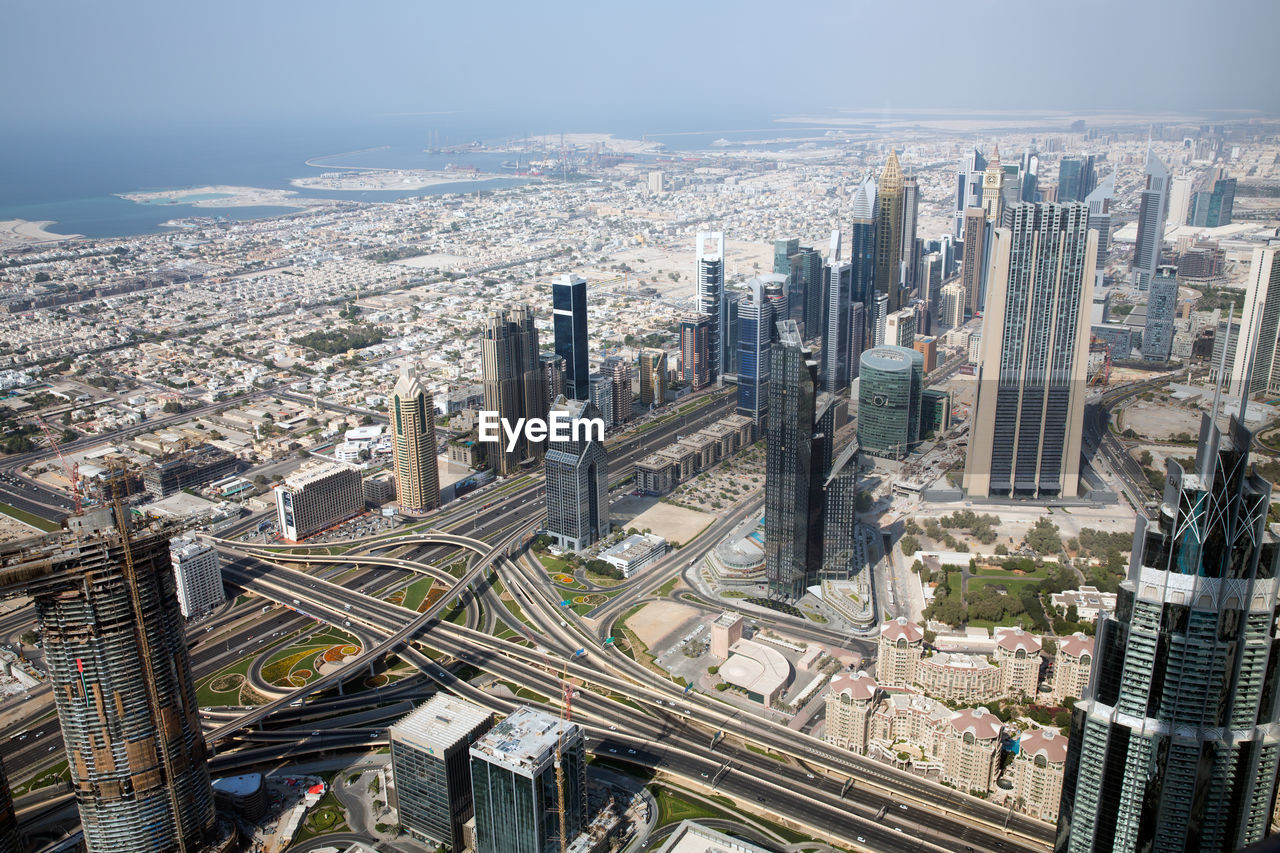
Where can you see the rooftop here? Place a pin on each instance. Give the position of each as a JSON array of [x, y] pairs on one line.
[[238, 786], [858, 685], [439, 723], [755, 667], [313, 472], [524, 741], [691, 837]]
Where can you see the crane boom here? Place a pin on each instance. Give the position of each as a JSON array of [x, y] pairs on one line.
[[72, 469]]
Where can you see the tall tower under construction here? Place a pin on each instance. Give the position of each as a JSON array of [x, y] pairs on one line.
[[117, 661]]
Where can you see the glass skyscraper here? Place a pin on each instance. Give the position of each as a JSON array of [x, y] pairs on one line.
[[888, 249], [1029, 413], [835, 326], [1174, 744], [890, 380], [797, 457], [862, 253], [1162, 307], [513, 379], [569, 319], [755, 333], [711, 299], [577, 482], [1152, 210]]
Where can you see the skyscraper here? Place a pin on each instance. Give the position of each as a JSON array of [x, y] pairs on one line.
[[971, 266], [1180, 191], [1256, 365], [858, 327], [951, 314], [729, 360], [929, 281], [1099, 202], [318, 495], [197, 573], [1173, 744], [1152, 210], [1212, 204], [891, 379], [577, 482], [1029, 412], [711, 298], [695, 351], [908, 251], [889, 232], [797, 457], [413, 445], [862, 249], [569, 322], [879, 317], [1076, 178], [513, 781], [900, 328], [993, 196], [653, 377], [968, 189], [782, 252], [1162, 307], [618, 369], [513, 379], [835, 327], [755, 335], [116, 653], [430, 760], [601, 396], [552, 375], [806, 286]]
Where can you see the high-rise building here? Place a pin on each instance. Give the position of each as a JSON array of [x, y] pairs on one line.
[[797, 457], [729, 361], [857, 336], [197, 573], [577, 482], [1256, 365], [10, 839], [1211, 206], [862, 252], [695, 351], [971, 266], [951, 311], [1029, 412], [513, 783], [847, 545], [618, 369], [1162, 307], [1099, 202], [413, 446], [318, 495], [430, 762], [968, 189], [1180, 190], [711, 299], [783, 250], [806, 287], [908, 248], [755, 336], [653, 377], [900, 328], [1152, 210], [888, 251], [879, 317], [890, 381], [930, 284], [1076, 178], [1172, 745], [835, 331], [116, 652], [552, 375], [569, 322], [513, 379], [601, 396], [993, 191]]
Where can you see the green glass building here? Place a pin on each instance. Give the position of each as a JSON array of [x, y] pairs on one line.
[[890, 383]]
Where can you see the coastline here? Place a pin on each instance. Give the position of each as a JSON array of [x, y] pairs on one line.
[[381, 180], [226, 196], [17, 233]]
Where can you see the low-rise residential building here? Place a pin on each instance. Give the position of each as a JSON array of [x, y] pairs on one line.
[[1038, 768], [900, 646], [954, 677], [1087, 600], [1072, 666]]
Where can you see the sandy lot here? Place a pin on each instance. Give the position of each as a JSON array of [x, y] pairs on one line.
[[673, 523], [434, 261], [661, 619], [11, 530], [1159, 420]]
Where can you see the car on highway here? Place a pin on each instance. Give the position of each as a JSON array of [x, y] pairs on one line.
[[861, 840]]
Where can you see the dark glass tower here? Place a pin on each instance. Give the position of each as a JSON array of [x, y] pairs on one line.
[[755, 333], [1174, 744], [569, 315], [513, 378], [797, 458], [888, 250], [835, 327], [862, 258], [806, 288]]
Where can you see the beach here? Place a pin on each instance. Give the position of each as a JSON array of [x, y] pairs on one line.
[[15, 233], [227, 196], [389, 179]]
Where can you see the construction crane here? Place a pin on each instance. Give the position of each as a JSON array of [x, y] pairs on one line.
[[566, 717], [1102, 376], [71, 469]]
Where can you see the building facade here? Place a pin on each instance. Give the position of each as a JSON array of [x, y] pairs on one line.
[[1037, 772], [838, 281], [316, 496], [1260, 325], [695, 351], [890, 381], [888, 250], [1152, 210], [653, 377], [898, 652], [569, 325], [971, 750], [197, 572], [430, 762], [1029, 413], [797, 457], [618, 370], [513, 380], [1174, 745], [1018, 656], [513, 781], [756, 330], [1162, 308], [413, 446], [711, 300], [577, 484], [1072, 667]]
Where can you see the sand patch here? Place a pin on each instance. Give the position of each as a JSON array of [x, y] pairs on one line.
[[673, 523], [658, 620]]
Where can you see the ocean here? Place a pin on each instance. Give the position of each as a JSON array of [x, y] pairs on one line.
[[72, 175]]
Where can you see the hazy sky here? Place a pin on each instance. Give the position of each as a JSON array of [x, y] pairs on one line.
[[131, 60]]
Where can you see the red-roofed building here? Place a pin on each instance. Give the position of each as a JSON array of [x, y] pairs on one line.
[[901, 642], [971, 751], [1037, 772], [1018, 654], [850, 701], [1072, 666]]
